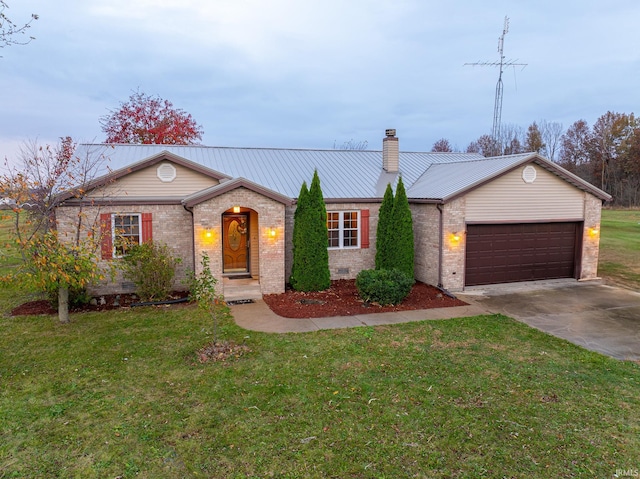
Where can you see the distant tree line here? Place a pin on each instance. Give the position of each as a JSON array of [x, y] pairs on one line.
[[606, 155]]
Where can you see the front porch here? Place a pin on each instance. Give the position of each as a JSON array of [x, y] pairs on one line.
[[243, 233], [241, 289]]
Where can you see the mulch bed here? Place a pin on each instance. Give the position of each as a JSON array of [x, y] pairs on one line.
[[342, 299], [102, 303]]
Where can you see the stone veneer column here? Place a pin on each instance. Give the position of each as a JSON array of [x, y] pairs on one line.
[[590, 237]]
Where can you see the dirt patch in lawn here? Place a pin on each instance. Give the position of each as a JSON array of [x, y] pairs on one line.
[[342, 299]]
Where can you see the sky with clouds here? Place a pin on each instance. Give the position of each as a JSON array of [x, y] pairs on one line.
[[311, 73]]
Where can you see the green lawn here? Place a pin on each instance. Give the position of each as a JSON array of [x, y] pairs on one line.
[[620, 247], [9, 258], [121, 394]]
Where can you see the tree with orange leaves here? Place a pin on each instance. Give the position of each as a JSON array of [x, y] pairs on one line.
[[51, 263]]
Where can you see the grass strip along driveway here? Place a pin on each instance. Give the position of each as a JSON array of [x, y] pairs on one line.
[[619, 260], [122, 394]]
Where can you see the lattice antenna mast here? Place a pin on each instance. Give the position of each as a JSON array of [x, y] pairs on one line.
[[497, 108]]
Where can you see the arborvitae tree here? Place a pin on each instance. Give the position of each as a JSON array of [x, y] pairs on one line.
[[310, 270], [401, 233], [299, 241], [318, 274], [384, 243]]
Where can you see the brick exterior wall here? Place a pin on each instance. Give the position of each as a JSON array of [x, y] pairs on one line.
[[343, 263], [271, 250], [171, 225], [453, 252], [426, 229], [590, 237]]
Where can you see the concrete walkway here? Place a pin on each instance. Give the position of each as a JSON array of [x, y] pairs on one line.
[[258, 316], [590, 314]]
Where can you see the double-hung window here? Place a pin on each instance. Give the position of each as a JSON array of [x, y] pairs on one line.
[[343, 229], [126, 230]]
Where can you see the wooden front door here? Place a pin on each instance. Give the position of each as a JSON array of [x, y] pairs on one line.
[[235, 232]]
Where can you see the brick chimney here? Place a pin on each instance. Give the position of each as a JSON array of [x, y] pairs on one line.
[[390, 152]]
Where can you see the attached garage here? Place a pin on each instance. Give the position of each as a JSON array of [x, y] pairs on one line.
[[503, 220], [505, 253]]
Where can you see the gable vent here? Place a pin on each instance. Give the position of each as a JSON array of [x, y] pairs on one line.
[[529, 174], [166, 172]]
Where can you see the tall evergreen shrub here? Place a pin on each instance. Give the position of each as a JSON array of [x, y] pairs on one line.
[[319, 275], [299, 236], [384, 242], [402, 251], [311, 258]]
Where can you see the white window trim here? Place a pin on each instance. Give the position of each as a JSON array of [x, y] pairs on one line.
[[341, 230], [113, 231]]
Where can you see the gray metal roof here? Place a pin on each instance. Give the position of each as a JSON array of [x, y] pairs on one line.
[[442, 181], [344, 174]]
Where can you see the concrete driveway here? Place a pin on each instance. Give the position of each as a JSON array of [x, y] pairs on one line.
[[590, 314]]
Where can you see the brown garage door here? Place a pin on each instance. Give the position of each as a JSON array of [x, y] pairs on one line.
[[505, 253]]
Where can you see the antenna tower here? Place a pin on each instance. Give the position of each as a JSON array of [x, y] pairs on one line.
[[497, 108]]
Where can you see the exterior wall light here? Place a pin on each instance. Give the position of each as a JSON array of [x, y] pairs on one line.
[[208, 235], [272, 231], [593, 231], [455, 237], [236, 209]]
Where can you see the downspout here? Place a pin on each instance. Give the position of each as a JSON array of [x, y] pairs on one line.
[[440, 245], [193, 236]]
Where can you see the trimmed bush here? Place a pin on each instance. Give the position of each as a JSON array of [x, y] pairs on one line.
[[383, 286], [152, 267]]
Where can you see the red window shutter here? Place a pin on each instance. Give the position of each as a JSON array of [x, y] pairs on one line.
[[147, 229], [106, 242], [364, 228]]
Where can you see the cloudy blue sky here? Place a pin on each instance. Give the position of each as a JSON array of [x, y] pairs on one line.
[[308, 73]]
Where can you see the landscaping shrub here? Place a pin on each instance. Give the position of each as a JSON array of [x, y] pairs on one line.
[[78, 297], [310, 256], [202, 289], [152, 267], [401, 233], [299, 242], [384, 239], [383, 286]]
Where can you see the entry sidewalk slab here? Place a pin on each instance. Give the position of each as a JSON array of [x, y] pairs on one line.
[[257, 316]]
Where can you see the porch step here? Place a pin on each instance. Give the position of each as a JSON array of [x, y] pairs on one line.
[[240, 289]]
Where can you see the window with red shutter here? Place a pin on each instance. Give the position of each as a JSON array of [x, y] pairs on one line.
[[120, 231], [106, 239], [364, 228]]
